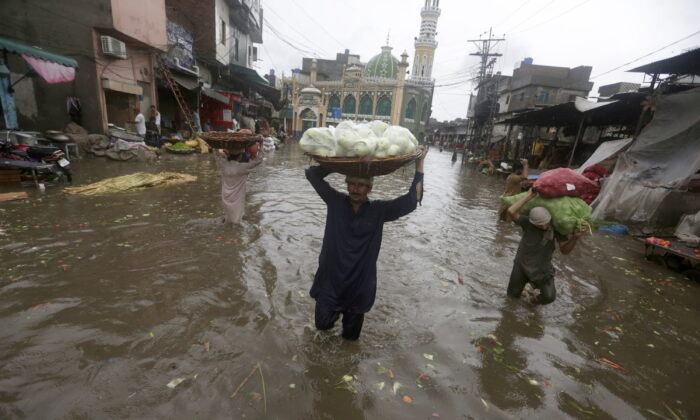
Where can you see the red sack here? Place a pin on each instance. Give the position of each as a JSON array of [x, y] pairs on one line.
[[563, 182], [595, 172]]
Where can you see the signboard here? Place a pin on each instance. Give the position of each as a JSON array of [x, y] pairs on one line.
[[336, 113], [227, 115], [310, 100], [180, 44]]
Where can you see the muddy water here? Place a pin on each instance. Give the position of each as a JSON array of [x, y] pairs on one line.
[[106, 300]]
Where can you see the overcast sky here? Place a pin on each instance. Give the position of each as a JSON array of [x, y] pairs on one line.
[[604, 34]]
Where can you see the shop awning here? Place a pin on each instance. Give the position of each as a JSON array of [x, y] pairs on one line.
[[251, 78], [686, 63], [54, 68], [16, 47], [215, 95], [189, 83], [247, 74]]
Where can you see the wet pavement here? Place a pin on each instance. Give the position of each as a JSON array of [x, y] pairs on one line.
[[104, 301]]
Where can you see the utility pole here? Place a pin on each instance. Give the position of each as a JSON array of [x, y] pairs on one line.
[[487, 91]]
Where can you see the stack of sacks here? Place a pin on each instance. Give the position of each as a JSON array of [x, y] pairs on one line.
[[568, 213], [348, 139], [563, 182], [595, 173]]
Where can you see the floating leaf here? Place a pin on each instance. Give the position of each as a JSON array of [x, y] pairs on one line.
[[428, 356], [485, 404], [395, 388], [498, 350], [533, 382], [175, 382], [480, 348], [390, 374], [347, 378], [255, 396], [152, 335], [380, 385], [650, 346], [294, 358], [292, 386], [407, 399]]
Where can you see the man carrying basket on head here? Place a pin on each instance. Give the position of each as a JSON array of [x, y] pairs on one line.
[[235, 166], [346, 279]]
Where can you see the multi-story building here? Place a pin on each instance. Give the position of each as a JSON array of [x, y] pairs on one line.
[[535, 86], [324, 92], [113, 42], [607, 91], [207, 44]]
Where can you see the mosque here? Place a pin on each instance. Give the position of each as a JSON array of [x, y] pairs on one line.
[[324, 92]]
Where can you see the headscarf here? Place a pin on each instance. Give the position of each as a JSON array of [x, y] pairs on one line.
[[540, 216]]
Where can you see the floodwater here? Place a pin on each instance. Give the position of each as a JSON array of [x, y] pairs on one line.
[[106, 300]]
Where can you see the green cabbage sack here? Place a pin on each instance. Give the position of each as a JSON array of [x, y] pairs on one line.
[[567, 212]]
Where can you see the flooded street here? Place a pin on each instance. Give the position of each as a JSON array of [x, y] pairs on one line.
[[105, 300]]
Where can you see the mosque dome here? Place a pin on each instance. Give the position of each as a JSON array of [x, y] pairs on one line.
[[311, 90], [383, 65]]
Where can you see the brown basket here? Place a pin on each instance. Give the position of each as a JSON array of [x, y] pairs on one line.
[[229, 141], [355, 167]]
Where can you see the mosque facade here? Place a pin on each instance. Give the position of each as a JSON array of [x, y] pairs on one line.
[[325, 92]]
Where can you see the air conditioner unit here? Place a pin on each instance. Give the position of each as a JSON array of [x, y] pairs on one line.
[[112, 46]]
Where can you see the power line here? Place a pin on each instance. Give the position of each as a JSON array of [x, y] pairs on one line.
[[531, 16], [647, 55], [555, 17], [319, 25], [297, 31], [512, 14]]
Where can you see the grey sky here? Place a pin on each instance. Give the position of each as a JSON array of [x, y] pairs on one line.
[[601, 33]]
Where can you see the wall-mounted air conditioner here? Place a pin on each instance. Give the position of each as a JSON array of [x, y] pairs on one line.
[[112, 46]]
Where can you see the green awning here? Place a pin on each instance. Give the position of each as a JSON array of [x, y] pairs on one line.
[[16, 47], [247, 74]]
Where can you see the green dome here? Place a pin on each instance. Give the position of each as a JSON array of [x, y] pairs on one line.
[[383, 66]]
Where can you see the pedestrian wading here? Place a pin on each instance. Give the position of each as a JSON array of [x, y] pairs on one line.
[[533, 260], [346, 279]]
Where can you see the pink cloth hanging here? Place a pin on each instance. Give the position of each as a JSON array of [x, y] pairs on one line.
[[50, 71]]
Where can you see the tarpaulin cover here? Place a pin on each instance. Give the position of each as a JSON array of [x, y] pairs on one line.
[[662, 159], [50, 71], [605, 151]]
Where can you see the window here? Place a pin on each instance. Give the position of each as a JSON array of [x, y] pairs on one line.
[[384, 106], [411, 109], [235, 49], [522, 97], [424, 112], [333, 102], [507, 99], [349, 105], [544, 97], [223, 32], [366, 105]]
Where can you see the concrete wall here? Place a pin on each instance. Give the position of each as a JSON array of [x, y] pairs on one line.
[[64, 28], [142, 20], [221, 14]]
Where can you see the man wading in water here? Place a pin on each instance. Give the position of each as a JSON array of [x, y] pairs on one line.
[[533, 261], [346, 279]]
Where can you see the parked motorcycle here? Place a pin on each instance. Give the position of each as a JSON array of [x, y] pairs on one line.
[[58, 166]]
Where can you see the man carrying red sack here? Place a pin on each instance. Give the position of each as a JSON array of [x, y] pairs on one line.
[[533, 261]]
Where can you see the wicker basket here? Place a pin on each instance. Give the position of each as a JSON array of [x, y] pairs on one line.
[[229, 141], [361, 168], [180, 151]]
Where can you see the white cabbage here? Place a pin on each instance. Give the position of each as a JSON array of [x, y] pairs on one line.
[[394, 150], [379, 127], [314, 138]]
